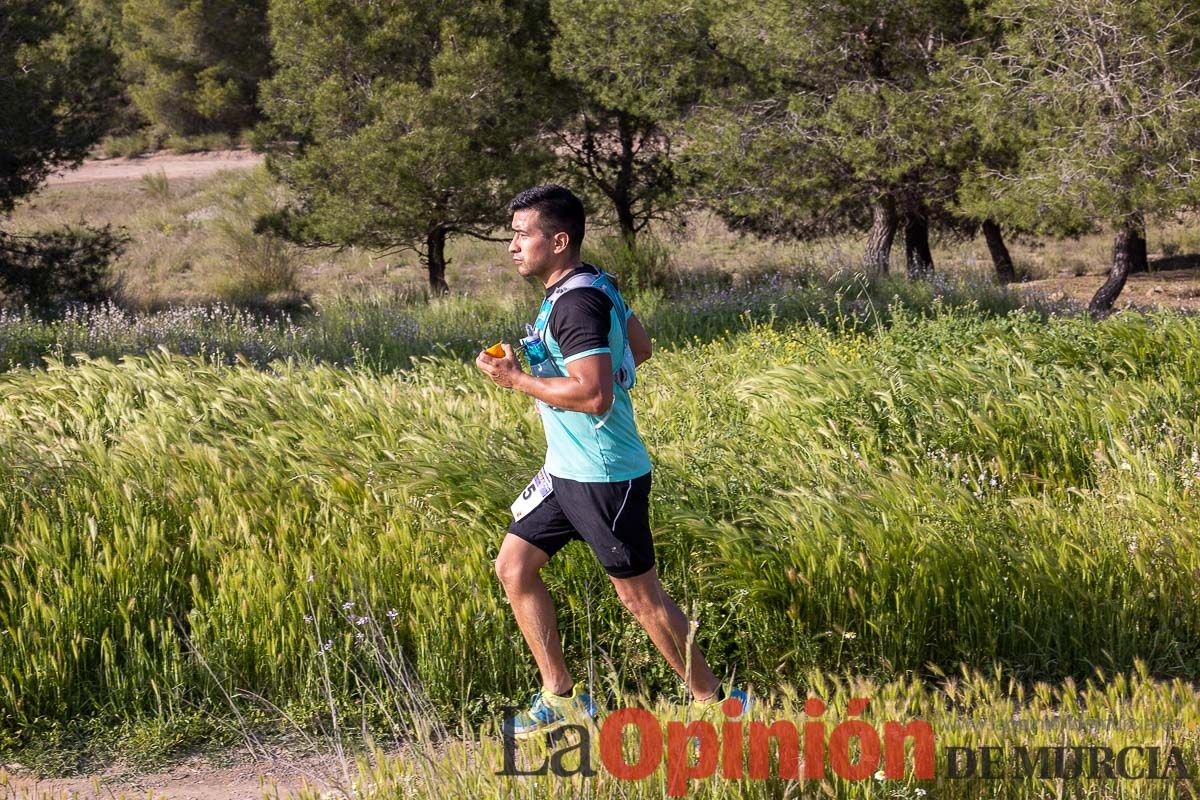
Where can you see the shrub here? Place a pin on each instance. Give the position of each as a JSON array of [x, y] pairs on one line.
[[194, 65], [640, 265], [156, 184], [130, 145], [259, 267], [52, 269], [199, 143]]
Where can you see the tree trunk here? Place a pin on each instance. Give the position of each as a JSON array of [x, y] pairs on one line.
[[879, 242], [1141, 261], [917, 257], [625, 221], [1123, 258], [622, 197], [435, 259], [1000, 257]]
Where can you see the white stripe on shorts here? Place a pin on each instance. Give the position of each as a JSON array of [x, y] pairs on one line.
[[622, 508]]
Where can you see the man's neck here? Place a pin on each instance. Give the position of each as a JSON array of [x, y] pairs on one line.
[[557, 275]]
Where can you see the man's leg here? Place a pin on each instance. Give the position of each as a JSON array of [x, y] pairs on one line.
[[518, 566], [645, 598]]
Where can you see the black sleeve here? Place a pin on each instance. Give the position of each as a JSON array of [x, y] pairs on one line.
[[580, 321]]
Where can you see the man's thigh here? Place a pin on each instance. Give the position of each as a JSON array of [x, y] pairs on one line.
[[545, 527]]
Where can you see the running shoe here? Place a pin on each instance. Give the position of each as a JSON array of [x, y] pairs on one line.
[[548, 711], [711, 711]]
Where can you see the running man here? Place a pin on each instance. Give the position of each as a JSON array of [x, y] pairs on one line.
[[598, 485]]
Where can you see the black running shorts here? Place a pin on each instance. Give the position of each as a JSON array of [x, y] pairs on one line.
[[613, 518]]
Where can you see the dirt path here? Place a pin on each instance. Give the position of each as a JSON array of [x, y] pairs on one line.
[[175, 165], [234, 776]]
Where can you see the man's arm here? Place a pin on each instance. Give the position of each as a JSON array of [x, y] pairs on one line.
[[639, 340], [588, 386]]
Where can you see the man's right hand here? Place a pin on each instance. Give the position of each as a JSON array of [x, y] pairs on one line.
[[504, 371]]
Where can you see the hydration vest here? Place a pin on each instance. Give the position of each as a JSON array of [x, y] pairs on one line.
[[624, 371]]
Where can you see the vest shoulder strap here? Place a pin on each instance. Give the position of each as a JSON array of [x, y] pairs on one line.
[[599, 279]]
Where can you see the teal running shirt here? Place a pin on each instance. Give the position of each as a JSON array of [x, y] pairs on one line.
[[579, 446]]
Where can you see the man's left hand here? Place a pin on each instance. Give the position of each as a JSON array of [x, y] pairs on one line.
[[503, 371]]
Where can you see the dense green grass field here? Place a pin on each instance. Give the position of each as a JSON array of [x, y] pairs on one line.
[[886, 481]]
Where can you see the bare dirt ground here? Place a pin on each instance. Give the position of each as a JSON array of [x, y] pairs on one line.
[[174, 165], [232, 776], [1177, 289]]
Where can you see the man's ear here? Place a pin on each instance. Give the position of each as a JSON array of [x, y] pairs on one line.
[[562, 241]]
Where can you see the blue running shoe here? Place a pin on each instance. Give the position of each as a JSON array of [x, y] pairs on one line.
[[548, 711], [743, 697]]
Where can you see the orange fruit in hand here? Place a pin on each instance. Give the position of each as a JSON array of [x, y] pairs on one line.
[[496, 350]]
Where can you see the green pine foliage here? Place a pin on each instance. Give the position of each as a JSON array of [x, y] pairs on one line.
[[194, 66], [407, 121], [828, 110], [1107, 95], [1103, 98], [58, 86], [630, 72], [57, 90]]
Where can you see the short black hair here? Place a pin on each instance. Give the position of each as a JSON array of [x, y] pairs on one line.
[[558, 210]]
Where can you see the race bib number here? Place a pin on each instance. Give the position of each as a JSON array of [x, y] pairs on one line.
[[538, 490]]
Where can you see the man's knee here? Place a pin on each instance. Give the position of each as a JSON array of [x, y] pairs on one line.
[[640, 601], [506, 570], [513, 570], [640, 606]]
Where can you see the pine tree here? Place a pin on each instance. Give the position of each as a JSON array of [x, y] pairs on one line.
[[59, 86], [829, 120], [1107, 96], [405, 122], [631, 71], [194, 65], [59, 83]]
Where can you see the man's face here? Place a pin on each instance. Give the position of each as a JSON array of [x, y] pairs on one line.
[[534, 253]]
